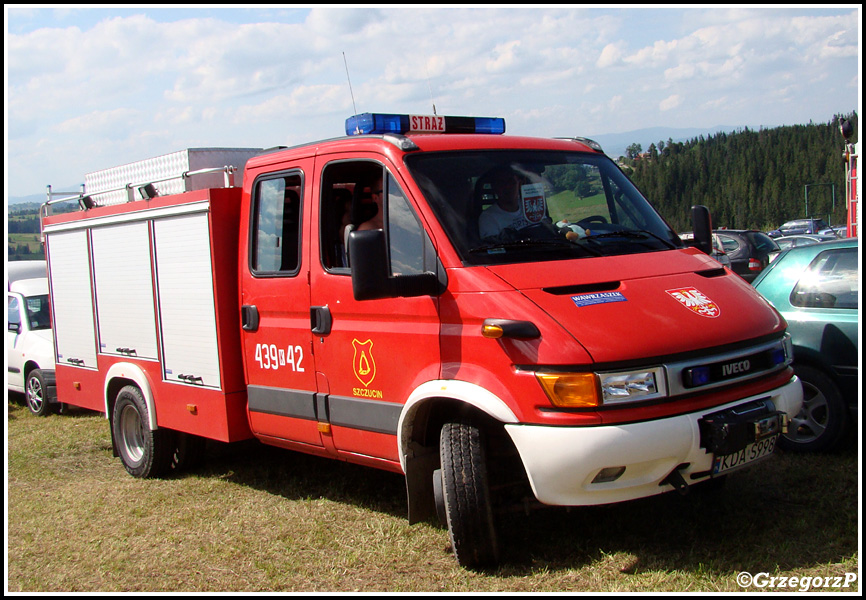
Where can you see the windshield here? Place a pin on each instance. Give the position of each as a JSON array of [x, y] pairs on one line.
[[38, 312], [524, 206]]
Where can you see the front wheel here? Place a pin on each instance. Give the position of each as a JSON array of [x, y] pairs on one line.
[[36, 393], [466, 495], [143, 452]]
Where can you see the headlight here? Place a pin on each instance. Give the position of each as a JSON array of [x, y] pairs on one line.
[[588, 390], [632, 386]]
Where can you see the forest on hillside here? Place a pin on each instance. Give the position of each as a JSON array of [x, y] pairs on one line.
[[749, 179]]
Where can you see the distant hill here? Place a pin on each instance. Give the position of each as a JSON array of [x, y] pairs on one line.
[[615, 144], [35, 198]]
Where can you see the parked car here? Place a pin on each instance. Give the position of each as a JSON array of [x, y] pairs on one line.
[[802, 226], [30, 344], [815, 288], [718, 252], [748, 250], [789, 241], [838, 231]]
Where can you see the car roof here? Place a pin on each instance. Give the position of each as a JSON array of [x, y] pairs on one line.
[[811, 236], [840, 243], [25, 269], [740, 231], [30, 287]]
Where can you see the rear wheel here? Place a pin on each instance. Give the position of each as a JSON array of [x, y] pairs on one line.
[[466, 495], [823, 420], [143, 452]]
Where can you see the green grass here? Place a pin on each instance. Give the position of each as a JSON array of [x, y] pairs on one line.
[[254, 518], [565, 205]]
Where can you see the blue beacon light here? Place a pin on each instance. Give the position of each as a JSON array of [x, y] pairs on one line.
[[379, 123]]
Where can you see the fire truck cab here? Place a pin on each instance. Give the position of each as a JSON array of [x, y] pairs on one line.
[[496, 317]]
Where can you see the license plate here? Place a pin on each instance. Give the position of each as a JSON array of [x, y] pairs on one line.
[[748, 455]]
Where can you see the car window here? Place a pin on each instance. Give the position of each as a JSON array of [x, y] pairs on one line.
[[730, 244], [762, 241], [830, 281], [14, 312]]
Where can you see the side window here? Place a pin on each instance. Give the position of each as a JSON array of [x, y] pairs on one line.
[[277, 225], [14, 312], [406, 238], [356, 196], [830, 281]]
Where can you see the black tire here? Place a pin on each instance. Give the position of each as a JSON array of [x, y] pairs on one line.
[[466, 495], [145, 453], [188, 451], [823, 421], [36, 394]]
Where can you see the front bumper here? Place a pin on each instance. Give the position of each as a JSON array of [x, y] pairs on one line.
[[562, 462]]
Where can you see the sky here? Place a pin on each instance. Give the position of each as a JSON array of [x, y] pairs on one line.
[[91, 88]]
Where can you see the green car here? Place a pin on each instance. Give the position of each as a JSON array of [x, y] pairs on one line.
[[815, 287]]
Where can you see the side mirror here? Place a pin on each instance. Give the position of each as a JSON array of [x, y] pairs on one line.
[[702, 228], [14, 327], [371, 275]]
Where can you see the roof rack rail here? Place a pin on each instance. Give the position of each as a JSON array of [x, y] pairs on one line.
[[145, 188]]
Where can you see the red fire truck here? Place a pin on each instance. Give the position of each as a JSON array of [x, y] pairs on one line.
[[501, 319], [852, 189]]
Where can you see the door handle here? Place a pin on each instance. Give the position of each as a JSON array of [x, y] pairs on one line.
[[249, 317], [320, 320]]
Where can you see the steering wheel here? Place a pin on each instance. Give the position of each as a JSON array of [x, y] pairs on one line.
[[593, 219]]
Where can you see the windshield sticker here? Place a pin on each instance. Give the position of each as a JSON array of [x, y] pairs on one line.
[[598, 298], [533, 201], [696, 301]]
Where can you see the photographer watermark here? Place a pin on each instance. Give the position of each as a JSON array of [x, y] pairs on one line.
[[801, 584]]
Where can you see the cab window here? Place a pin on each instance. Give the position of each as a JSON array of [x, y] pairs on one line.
[[276, 230], [358, 195]]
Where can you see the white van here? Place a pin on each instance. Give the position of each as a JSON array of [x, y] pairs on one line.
[[30, 344]]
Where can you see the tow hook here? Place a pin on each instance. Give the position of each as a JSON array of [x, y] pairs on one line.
[[675, 480]]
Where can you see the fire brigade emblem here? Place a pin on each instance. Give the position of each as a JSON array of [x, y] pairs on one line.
[[363, 362], [696, 301]]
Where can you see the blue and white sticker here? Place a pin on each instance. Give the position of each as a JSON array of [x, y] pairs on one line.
[[598, 298]]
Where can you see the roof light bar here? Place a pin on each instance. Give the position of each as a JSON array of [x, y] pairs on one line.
[[377, 123]]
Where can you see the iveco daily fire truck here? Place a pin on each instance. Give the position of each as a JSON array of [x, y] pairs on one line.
[[426, 295]]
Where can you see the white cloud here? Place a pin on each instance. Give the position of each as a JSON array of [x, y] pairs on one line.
[[671, 102], [141, 83], [610, 56]]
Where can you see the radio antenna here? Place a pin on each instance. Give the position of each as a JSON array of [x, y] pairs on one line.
[[351, 93], [433, 102]]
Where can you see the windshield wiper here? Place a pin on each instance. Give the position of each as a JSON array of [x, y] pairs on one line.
[[634, 234], [530, 244]]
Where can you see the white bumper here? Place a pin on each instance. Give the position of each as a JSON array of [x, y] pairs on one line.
[[561, 462]]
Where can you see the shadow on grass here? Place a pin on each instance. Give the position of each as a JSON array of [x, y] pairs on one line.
[[789, 512], [295, 476]]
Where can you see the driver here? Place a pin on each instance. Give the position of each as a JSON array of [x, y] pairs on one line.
[[507, 212]]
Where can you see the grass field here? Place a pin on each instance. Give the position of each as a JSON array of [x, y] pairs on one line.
[[254, 518]]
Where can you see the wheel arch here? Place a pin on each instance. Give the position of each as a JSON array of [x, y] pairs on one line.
[[120, 375], [430, 406]]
